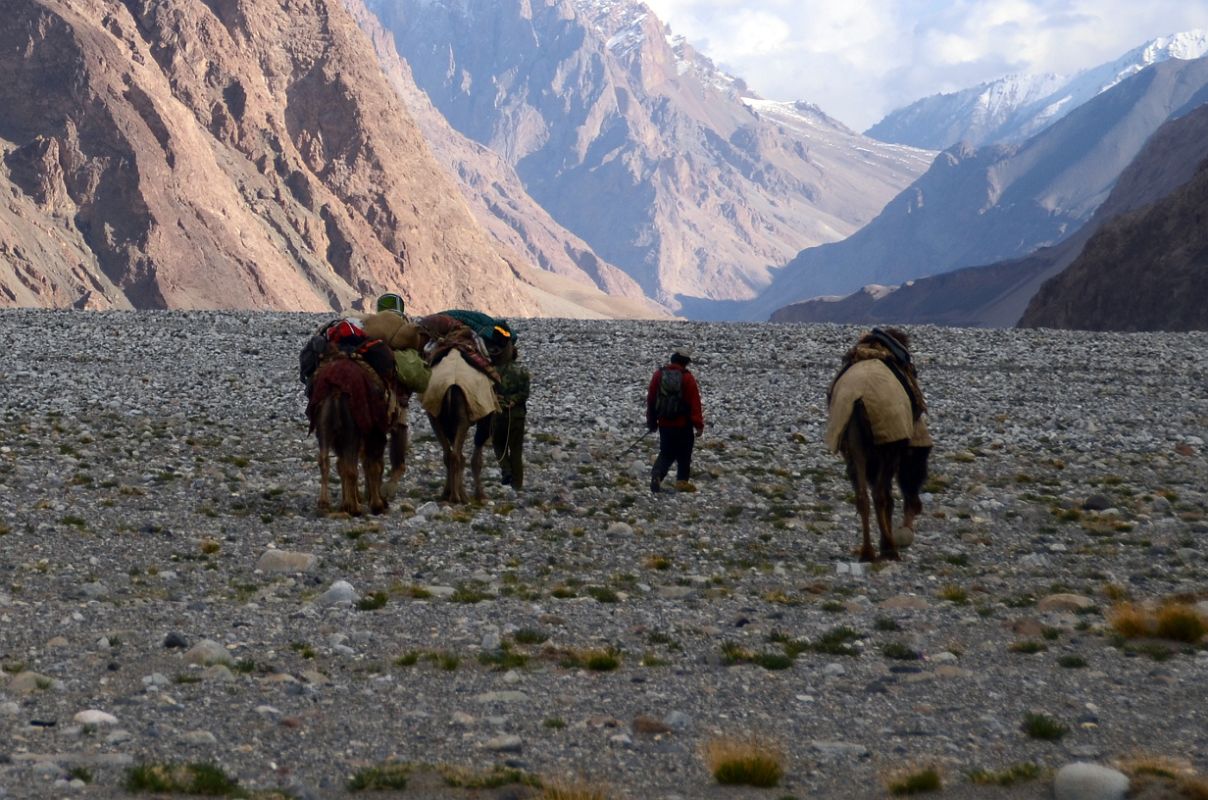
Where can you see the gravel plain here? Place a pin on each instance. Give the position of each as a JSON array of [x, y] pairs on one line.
[[168, 593]]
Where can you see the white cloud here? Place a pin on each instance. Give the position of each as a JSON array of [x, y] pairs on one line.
[[860, 59]]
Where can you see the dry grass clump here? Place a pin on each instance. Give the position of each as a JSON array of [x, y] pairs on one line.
[[1129, 620], [1180, 622], [1176, 774], [745, 761], [380, 777], [497, 776], [914, 780], [1016, 773], [1173, 620], [574, 790], [174, 778]]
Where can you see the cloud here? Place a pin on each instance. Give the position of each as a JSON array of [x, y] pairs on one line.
[[860, 59]]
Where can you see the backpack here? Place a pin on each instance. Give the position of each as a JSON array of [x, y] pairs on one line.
[[670, 402], [345, 333]]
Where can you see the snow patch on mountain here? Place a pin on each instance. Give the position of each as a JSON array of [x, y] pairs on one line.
[[1016, 107]]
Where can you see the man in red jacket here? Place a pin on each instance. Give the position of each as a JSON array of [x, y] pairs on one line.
[[673, 406]]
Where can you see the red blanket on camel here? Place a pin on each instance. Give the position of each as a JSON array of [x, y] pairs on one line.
[[366, 395]]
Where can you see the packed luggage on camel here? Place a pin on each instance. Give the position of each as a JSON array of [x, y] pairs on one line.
[[359, 377], [465, 350]]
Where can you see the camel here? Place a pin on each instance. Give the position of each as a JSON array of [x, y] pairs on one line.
[[460, 396], [349, 412], [876, 423]]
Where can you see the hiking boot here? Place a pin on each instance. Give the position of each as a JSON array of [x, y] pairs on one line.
[[656, 484], [506, 480], [685, 486]]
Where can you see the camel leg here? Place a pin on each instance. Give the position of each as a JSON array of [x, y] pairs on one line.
[[883, 503], [482, 432], [324, 477], [457, 460], [856, 466], [374, 465], [399, 435], [346, 463], [912, 474]]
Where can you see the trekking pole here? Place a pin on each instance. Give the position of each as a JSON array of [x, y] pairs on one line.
[[636, 442]]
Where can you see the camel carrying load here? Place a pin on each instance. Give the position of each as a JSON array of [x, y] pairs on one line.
[[464, 349], [449, 358], [877, 422]]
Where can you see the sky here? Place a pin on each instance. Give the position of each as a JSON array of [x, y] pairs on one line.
[[860, 59]]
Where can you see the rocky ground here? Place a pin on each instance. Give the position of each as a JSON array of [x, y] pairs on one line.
[[163, 569]]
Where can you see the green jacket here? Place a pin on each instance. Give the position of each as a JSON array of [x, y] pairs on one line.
[[513, 388]]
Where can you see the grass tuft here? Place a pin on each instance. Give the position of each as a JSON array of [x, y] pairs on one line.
[[372, 601], [744, 762], [1043, 727], [901, 652], [573, 790], [837, 642], [196, 778], [1180, 622], [496, 777], [381, 777], [1016, 773], [918, 781]]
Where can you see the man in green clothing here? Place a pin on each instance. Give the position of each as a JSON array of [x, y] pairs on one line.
[[507, 427]]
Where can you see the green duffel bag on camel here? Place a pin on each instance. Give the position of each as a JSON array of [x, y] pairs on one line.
[[412, 370]]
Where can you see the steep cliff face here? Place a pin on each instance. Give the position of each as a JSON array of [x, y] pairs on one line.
[[229, 153], [490, 186], [639, 145], [978, 206]]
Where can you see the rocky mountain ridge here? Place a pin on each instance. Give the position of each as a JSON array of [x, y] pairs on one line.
[[238, 155], [636, 145], [998, 202], [1156, 288]]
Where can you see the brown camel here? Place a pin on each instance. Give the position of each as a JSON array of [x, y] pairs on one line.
[[348, 413], [876, 422]]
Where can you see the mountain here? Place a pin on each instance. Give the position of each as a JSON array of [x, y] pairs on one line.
[[1016, 107], [495, 193], [236, 154], [661, 163], [1144, 270], [1136, 265], [998, 202]]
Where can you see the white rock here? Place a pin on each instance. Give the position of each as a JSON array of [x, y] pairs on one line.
[[340, 593], [1085, 781], [286, 561], [207, 652], [94, 717]]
